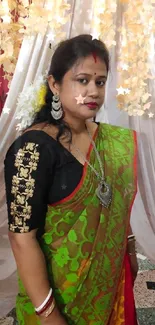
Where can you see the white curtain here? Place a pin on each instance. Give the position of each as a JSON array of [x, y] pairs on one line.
[[34, 60]]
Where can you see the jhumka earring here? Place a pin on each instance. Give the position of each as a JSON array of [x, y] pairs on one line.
[[56, 110]]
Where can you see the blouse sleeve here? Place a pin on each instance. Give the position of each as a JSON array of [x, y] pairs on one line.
[[27, 177]]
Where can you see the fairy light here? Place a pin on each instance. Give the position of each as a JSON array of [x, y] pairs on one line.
[[6, 19], [49, 5], [5, 6], [151, 115], [6, 110], [5, 9], [59, 19], [101, 10], [51, 36]]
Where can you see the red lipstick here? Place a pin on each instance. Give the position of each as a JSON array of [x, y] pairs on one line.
[[92, 104]]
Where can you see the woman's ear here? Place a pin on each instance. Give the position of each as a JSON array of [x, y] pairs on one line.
[[54, 86]]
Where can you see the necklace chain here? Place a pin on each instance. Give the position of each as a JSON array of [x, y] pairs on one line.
[[102, 176], [103, 191]]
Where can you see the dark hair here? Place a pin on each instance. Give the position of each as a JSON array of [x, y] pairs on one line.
[[65, 56]]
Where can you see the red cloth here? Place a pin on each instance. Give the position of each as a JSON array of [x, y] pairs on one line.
[[129, 303]]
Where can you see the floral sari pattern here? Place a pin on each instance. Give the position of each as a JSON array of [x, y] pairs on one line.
[[85, 244]]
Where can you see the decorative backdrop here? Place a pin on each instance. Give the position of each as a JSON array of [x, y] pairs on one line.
[[134, 31]]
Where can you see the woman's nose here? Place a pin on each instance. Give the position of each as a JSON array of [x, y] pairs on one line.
[[93, 90]]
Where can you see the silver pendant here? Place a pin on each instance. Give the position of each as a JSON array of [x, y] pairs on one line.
[[104, 193], [56, 106], [57, 115]]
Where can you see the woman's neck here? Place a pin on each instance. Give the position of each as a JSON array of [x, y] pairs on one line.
[[77, 126]]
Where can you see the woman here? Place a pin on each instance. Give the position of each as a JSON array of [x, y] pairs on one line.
[[70, 186]]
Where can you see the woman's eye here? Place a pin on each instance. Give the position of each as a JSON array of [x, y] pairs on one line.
[[101, 83], [83, 81]]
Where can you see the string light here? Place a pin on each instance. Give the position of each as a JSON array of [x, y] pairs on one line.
[[151, 115]]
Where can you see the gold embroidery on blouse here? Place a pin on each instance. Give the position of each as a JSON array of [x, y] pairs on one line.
[[23, 185]]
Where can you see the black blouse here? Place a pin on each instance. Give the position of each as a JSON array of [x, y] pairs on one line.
[[38, 171]]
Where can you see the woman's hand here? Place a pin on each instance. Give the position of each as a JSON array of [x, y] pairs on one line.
[[131, 249], [134, 265], [55, 318]]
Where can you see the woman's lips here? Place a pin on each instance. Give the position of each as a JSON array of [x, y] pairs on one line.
[[92, 105]]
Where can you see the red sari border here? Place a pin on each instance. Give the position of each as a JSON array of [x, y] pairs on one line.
[[135, 174], [129, 303], [69, 197], [135, 165]]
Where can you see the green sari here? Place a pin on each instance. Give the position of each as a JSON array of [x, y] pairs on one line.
[[85, 244]]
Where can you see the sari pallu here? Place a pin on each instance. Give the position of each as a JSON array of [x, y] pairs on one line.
[[85, 244]]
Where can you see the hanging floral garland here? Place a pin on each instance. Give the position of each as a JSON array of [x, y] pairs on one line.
[[137, 34], [103, 26], [135, 49], [28, 17]]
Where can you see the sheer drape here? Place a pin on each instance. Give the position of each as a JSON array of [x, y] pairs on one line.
[[33, 60]]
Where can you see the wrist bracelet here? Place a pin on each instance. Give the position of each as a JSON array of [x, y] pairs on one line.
[[38, 309], [49, 302], [131, 237], [50, 310]]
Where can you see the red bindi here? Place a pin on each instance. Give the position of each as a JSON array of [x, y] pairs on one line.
[[94, 56]]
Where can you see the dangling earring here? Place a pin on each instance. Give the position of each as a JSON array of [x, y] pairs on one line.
[[56, 110]]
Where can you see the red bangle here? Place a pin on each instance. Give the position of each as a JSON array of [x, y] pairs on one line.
[[46, 306]]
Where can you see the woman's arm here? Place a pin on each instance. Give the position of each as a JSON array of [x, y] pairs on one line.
[[27, 166], [131, 249], [32, 270]]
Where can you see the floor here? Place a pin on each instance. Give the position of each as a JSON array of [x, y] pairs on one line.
[[144, 297]]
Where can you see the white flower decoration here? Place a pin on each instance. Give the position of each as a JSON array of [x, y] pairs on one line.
[[27, 106]]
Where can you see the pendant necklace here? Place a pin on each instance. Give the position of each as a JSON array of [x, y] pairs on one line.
[[103, 191]]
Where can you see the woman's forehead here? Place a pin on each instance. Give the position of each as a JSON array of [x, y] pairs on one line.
[[90, 65]]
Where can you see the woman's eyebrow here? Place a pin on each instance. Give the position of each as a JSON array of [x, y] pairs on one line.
[[87, 74]]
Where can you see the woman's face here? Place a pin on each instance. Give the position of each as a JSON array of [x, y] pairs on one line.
[[86, 78]]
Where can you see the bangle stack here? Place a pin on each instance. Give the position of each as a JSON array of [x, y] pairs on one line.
[[46, 308]]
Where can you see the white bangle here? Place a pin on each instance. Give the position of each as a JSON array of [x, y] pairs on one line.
[[131, 237], [44, 302]]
